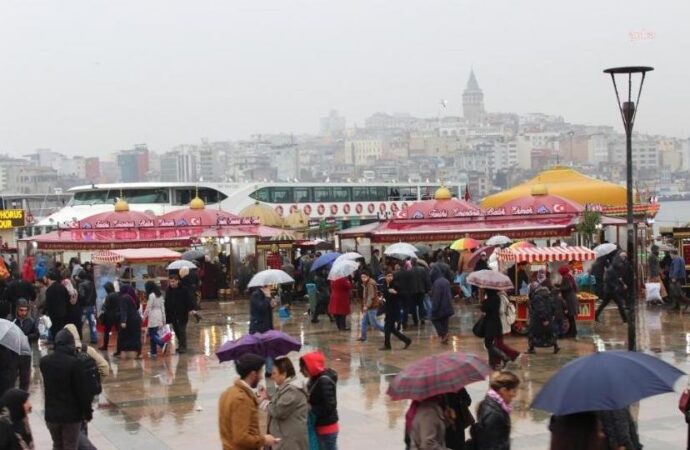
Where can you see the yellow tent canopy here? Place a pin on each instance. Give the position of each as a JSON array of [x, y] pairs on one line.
[[567, 183], [266, 215]]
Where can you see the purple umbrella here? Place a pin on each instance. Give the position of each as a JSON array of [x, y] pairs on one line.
[[272, 344]]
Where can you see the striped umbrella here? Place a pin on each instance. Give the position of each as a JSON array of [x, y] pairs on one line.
[[436, 375], [522, 244], [464, 244]]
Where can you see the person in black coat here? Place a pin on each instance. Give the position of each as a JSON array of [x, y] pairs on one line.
[[9, 369], [392, 307], [493, 328], [405, 281], [87, 302], [15, 433], [110, 314], [322, 397], [492, 430], [66, 404], [421, 285], [261, 310], [17, 289], [441, 306], [129, 337], [57, 303], [179, 304], [461, 418]]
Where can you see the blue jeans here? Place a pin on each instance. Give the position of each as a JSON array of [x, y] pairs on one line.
[[328, 441], [90, 313], [466, 289], [154, 340], [370, 318]]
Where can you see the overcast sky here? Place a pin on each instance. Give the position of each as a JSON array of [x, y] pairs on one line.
[[93, 76]]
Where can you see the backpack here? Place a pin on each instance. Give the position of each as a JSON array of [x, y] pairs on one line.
[[90, 377], [509, 309]]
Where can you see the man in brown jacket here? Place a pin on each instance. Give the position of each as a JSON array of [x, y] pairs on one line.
[[238, 409]]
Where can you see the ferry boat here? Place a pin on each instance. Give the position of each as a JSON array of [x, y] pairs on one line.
[[356, 203]]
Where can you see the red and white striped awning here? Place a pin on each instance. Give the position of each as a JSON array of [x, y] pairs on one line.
[[546, 254], [134, 255]]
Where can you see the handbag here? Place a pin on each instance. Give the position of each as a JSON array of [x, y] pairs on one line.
[[684, 401], [164, 333], [479, 328]]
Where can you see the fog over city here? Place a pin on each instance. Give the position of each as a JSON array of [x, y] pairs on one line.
[[86, 77]]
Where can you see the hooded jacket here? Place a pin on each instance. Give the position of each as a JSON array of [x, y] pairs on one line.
[[15, 433], [101, 363], [321, 389]]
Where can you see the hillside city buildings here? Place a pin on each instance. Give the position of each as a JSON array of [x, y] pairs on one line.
[[486, 150]]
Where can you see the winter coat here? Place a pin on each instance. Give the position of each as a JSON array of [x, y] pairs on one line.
[[260, 313], [481, 264], [428, 427], [569, 294], [321, 390], [677, 269], [392, 301], [370, 297], [503, 313], [492, 430], [441, 299], [340, 297], [15, 432], [541, 309], [287, 416], [421, 283], [178, 303], [19, 289], [101, 363], [111, 308], [654, 268], [405, 279], [87, 293], [65, 401], [57, 302], [620, 429], [492, 308], [155, 311], [238, 419], [9, 369], [29, 327]]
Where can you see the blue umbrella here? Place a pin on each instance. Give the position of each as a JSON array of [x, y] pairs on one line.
[[606, 381], [324, 260]]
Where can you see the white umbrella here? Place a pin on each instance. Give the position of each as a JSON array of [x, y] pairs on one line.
[[343, 268], [13, 338], [402, 255], [401, 248], [270, 277], [605, 249], [179, 264], [349, 256], [498, 240]]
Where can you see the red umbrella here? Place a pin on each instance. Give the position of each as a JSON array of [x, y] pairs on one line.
[[436, 375], [488, 249]]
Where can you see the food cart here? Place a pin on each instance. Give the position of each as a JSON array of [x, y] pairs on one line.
[[539, 258]]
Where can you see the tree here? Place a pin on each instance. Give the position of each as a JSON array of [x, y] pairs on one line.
[[588, 225]]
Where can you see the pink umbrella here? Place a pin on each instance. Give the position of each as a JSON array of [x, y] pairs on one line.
[[490, 279]]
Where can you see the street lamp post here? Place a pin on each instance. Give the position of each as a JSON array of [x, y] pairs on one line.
[[628, 110]]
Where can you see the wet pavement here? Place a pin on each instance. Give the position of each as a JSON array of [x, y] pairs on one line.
[[171, 402]]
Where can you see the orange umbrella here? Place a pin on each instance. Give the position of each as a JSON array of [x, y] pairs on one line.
[[464, 244], [522, 244]]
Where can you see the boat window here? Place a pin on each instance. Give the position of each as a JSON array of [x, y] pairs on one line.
[[341, 194], [360, 194], [301, 195], [408, 193], [281, 195], [96, 197], [208, 195], [377, 194], [261, 195], [322, 194], [393, 194]]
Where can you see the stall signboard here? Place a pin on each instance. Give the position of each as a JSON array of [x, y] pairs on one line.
[[11, 218], [587, 309]]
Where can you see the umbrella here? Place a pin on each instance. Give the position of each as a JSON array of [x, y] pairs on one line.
[[270, 277], [401, 248], [605, 249], [464, 244], [402, 255], [349, 256], [12, 337], [342, 268], [437, 374], [177, 265], [193, 254], [522, 244], [605, 381], [490, 279], [421, 262], [489, 249], [272, 344], [498, 240], [324, 260], [423, 249]]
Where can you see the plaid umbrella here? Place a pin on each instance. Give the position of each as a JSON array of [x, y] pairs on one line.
[[436, 375], [490, 279]]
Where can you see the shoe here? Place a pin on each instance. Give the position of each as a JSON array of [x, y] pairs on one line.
[[361, 339], [556, 350], [407, 344], [385, 349], [347, 329], [314, 320], [531, 351]]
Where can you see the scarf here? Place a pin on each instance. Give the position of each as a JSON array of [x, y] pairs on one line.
[[409, 415], [497, 397]]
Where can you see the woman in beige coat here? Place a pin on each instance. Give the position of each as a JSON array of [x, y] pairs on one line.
[[287, 409]]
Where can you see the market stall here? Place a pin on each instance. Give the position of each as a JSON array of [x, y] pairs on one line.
[[548, 258]]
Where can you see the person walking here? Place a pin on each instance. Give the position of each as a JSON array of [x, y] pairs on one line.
[[9, 369], [261, 305], [67, 405], [421, 285], [15, 432], [392, 308], [441, 305], [620, 429], [597, 271], [614, 289], [405, 280], [87, 302], [370, 305], [287, 409], [458, 417], [506, 313], [568, 288], [339, 306], [57, 303], [179, 304], [677, 276], [492, 430], [491, 307], [578, 431], [464, 269], [321, 389], [129, 337], [323, 295], [654, 271], [238, 410], [110, 314], [428, 425], [101, 363], [17, 289], [541, 316], [30, 329], [155, 313]]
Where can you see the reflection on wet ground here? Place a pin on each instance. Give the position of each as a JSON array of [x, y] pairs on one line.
[[171, 402]]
